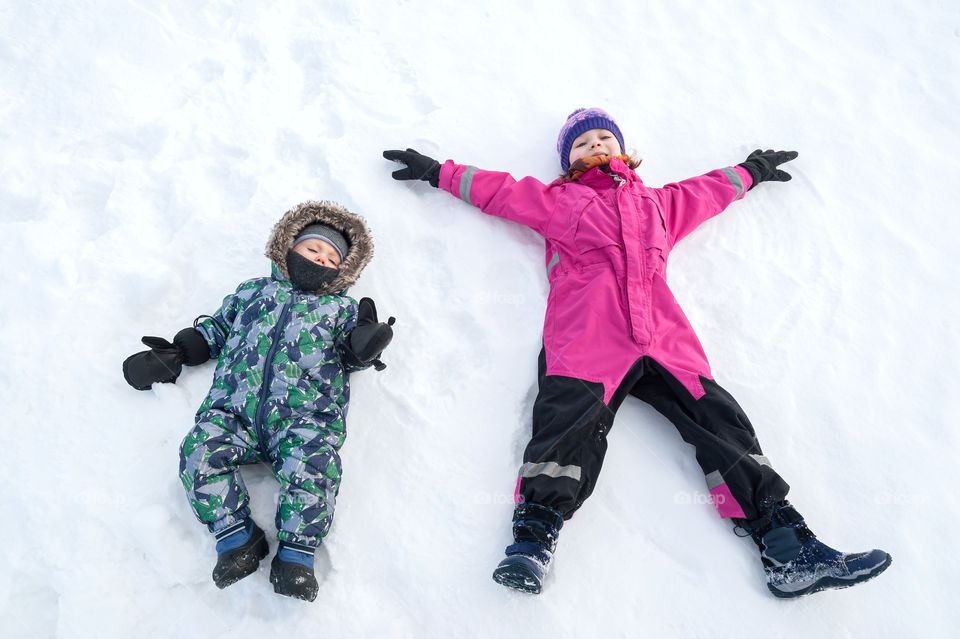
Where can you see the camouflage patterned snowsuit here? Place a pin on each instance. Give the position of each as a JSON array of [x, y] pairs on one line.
[[279, 396]]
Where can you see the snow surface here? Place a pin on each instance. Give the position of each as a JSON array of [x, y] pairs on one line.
[[146, 149]]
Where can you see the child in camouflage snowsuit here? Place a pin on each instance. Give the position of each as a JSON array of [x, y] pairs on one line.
[[286, 345]]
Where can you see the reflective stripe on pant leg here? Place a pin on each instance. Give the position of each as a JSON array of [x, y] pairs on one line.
[[550, 469]]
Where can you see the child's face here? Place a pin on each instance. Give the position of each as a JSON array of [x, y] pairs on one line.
[[318, 251], [594, 142]]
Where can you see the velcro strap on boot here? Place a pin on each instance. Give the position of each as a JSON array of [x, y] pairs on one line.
[[786, 516], [534, 531], [530, 549], [536, 524], [530, 511]]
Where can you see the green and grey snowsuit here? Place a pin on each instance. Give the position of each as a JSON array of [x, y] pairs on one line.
[[280, 390]]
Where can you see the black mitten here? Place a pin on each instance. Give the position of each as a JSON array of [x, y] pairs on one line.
[[762, 165], [369, 337], [164, 361], [419, 167]]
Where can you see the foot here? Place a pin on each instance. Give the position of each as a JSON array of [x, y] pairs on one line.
[[291, 572], [535, 529], [240, 554], [797, 563], [819, 567]]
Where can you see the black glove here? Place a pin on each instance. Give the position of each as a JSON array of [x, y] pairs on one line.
[[762, 165], [419, 167], [164, 361], [369, 337]]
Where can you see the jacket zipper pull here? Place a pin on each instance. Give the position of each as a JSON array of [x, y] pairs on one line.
[[619, 180]]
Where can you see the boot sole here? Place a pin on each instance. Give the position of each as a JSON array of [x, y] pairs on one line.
[[831, 583], [311, 596], [248, 562], [518, 579]]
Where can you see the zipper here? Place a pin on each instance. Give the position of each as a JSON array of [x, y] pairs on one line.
[[258, 421], [644, 311]]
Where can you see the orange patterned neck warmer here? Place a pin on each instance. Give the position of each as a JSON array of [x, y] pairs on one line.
[[583, 165]]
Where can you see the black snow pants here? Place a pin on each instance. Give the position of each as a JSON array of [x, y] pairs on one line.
[[570, 425]]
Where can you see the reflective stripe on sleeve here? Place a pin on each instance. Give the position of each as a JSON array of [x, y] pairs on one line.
[[735, 180], [466, 180]]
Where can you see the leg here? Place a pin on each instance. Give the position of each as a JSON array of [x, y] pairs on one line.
[[210, 457], [563, 458], [308, 469], [745, 487], [560, 469], [739, 477], [307, 465]]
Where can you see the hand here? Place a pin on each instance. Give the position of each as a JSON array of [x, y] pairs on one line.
[[419, 167], [368, 339], [164, 361], [762, 165]]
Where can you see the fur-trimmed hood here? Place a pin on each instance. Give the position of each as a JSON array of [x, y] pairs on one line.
[[332, 214]]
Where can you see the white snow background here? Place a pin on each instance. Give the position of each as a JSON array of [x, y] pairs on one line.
[[147, 148]]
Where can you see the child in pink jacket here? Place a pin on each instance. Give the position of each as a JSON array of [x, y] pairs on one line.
[[612, 329]]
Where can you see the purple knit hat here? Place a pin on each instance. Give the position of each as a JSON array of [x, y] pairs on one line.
[[580, 121]]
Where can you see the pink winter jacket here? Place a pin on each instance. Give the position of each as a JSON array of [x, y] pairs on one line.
[[607, 241]]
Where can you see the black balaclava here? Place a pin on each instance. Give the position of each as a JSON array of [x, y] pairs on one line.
[[307, 274]]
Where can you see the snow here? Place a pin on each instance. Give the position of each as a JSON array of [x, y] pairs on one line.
[[148, 147]]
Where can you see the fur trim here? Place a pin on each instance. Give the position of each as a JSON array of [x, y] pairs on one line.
[[331, 214]]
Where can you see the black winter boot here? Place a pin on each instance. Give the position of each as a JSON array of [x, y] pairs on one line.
[[291, 571], [797, 563], [241, 548], [535, 530]]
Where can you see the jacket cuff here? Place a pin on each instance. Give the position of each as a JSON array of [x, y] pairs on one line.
[[446, 175], [747, 176]]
